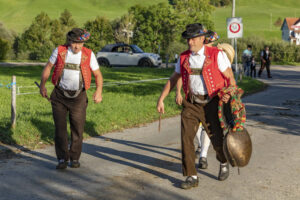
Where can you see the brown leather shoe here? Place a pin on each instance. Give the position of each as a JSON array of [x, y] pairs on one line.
[[202, 163], [62, 164], [224, 171], [189, 183]]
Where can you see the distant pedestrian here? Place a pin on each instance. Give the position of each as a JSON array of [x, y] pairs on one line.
[[253, 67], [266, 57], [247, 54]]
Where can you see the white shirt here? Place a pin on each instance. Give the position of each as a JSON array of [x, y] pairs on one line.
[[196, 60], [70, 78]]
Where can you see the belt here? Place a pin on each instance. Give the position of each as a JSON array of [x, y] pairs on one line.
[[201, 99], [70, 93], [196, 71]]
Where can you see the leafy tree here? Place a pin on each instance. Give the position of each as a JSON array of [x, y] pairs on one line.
[[123, 28], [278, 22], [192, 11], [36, 38], [66, 19], [5, 33], [219, 3], [101, 33], [60, 27], [155, 26], [4, 48]]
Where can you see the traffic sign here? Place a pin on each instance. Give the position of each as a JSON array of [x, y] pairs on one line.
[[234, 27]]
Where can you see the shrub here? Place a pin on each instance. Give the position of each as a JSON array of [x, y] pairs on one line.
[[4, 48]]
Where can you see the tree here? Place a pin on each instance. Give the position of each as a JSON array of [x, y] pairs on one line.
[[60, 27], [278, 22], [123, 28], [155, 26], [4, 48], [35, 39], [101, 33], [192, 11], [66, 19]]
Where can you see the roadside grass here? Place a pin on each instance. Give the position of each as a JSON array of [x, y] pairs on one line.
[[123, 106]]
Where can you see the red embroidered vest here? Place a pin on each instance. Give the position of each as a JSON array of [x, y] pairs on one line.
[[213, 78], [84, 65]]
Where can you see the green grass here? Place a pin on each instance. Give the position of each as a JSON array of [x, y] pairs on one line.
[[256, 16], [18, 14], [123, 106]]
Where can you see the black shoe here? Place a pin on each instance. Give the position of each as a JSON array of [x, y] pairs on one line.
[[75, 164], [202, 163], [189, 183], [62, 164], [224, 172], [269, 76]]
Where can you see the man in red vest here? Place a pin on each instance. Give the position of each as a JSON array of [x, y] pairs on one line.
[[204, 71], [73, 64]]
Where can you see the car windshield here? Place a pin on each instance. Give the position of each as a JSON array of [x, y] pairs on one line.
[[137, 49]]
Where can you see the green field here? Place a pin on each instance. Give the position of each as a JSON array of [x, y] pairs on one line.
[[18, 14], [123, 106], [258, 16]]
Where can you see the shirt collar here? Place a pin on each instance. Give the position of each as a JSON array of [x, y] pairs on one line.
[[200, 52]]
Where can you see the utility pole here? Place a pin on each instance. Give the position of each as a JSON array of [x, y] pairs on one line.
[[234, 43]]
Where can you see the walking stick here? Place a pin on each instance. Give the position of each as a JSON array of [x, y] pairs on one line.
[[159, 122], [40, 88]]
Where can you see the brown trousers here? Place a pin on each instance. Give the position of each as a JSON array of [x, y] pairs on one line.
[[76, 108], [191, 116]]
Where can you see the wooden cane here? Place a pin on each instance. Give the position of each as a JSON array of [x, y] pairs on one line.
[[159, 122], [40, 88]]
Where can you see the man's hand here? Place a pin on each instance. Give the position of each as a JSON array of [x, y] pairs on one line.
[[225, 98], [178, 99], [97, 97], [43, 91], [160, 107]]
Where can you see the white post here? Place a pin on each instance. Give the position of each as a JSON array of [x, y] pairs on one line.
[[13, 102]]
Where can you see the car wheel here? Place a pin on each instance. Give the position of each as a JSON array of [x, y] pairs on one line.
[[145, 62], [103, 62]]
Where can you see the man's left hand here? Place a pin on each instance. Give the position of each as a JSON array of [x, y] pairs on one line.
[[97, 97], [225, 98]]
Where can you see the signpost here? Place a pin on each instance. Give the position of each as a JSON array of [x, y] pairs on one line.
[[234, 31]]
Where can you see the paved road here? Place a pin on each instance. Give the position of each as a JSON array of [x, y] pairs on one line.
[[142, 163]]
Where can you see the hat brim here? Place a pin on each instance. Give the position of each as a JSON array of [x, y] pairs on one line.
[[186, 35]]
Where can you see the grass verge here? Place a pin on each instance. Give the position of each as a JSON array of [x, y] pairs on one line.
[[123, 106]]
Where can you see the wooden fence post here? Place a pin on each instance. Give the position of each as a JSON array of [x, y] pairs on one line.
[[13, 102]]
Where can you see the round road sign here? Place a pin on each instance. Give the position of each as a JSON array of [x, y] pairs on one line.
[[234, 27]]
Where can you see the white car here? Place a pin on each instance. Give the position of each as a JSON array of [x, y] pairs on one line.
[[121, 54]]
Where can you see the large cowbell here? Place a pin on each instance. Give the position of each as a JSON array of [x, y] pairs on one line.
[[237, 147]]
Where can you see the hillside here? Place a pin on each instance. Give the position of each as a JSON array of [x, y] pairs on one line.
[[258, 16], [18, 14]]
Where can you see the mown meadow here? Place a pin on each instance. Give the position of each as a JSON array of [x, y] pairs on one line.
[[123, 106]]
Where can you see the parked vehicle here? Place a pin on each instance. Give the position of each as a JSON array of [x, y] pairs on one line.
[[122, 54]]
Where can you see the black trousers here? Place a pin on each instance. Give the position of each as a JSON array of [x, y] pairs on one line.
[[191, 116], [76, 108]]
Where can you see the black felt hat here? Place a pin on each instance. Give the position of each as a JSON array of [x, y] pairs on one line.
[[78, 35], [194, 30]]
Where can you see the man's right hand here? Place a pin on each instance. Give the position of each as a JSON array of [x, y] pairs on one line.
[[178, 99], [43, 91], [160, 107]]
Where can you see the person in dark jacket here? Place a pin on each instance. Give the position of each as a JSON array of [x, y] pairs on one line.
[[265, 61]]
